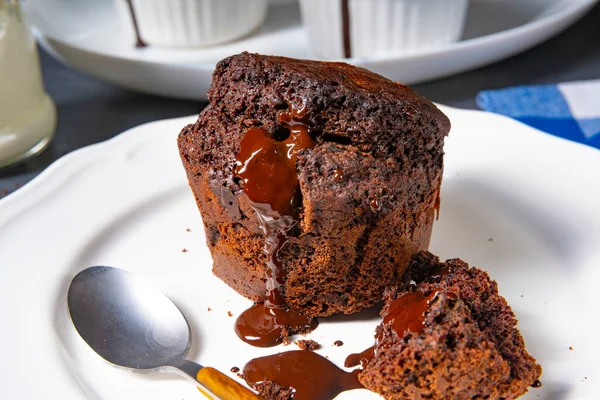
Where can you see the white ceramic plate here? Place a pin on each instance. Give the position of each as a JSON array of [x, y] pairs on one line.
[[87, 35], [126, 203]]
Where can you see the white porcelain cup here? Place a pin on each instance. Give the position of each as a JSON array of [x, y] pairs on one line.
[[190, 23], [27, 114], [366, 28]]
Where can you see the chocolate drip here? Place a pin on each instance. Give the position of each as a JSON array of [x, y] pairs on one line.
[[138, 38], [362, 358], [309, 375], [267, 168], [346, 28]]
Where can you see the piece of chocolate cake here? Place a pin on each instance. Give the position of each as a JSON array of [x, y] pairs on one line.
[[364, 181], [447, 333]]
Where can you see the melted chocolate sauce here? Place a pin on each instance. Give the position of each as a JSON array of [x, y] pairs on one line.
[[362, 359], [346, 28], [338, 343], [406, 313], [268, 169], [311, 376], [265, 324], [235, 370], [536, 384], [138, 38], [436, 206], [375, 205], [338, 175]]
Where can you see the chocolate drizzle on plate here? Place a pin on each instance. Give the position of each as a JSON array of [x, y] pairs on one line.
[[138, 38], [309, 375], [362, 358], [267, 167]]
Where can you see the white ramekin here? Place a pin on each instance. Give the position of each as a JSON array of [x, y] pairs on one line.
[[193, 23], [380, 27]]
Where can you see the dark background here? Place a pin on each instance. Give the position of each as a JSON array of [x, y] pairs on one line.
[[90, 111]]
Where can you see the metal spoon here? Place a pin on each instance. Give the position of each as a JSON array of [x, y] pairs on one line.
[[132, 324]]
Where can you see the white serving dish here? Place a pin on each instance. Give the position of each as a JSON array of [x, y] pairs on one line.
[[127, 203], [87, 35]]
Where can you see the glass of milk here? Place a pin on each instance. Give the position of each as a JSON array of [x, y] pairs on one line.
[[27, 114]]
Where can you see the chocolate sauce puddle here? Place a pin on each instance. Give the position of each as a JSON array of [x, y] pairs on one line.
[[268, 169], [138, 38], [309, 375]]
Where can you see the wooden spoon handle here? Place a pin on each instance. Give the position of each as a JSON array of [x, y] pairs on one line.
[[222, 386]]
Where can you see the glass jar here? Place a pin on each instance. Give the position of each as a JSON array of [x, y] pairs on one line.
[[27, 114]]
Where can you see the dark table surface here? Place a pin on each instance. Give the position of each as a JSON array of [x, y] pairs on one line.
[[90, 111]]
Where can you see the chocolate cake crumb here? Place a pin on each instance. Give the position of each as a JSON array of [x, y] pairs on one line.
[[229, 314], [208, 309], [272, 391], [184, 250], [286, 336], [307, 344], [571, 348], [188, 230]]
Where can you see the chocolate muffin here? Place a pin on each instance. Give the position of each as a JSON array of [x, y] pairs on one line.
[[447, 333], [365, 188]]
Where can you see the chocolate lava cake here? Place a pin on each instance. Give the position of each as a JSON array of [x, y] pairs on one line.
[[367, 184], [447, 333]]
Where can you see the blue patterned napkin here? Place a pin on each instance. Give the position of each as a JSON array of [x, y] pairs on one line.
[[568, 110]]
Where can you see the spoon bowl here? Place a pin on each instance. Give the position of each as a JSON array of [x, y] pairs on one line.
[[132, 324], [127, 321]]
